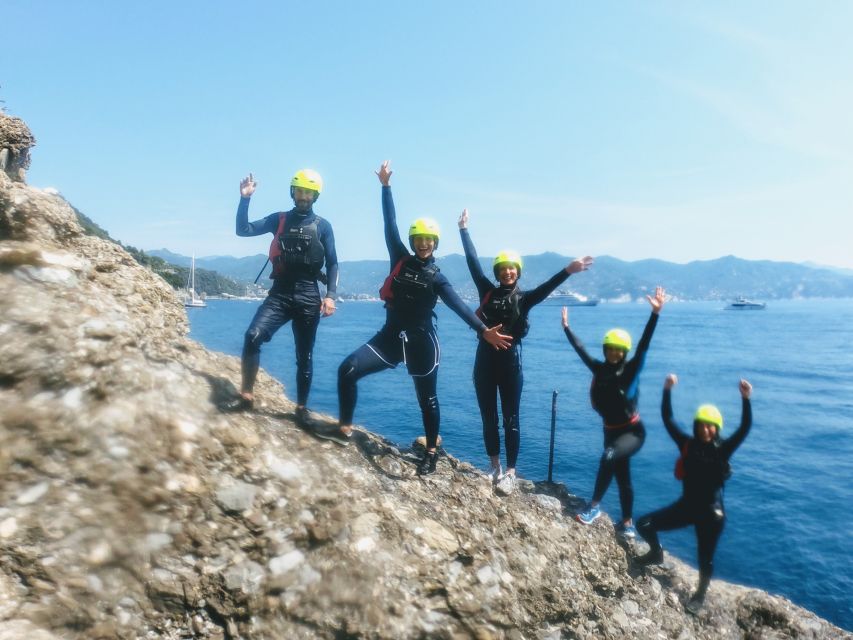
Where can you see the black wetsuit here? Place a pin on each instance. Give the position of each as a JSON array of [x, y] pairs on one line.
[[615, 392], [706, 468], [500, 371], [294, 296], [408, 334]]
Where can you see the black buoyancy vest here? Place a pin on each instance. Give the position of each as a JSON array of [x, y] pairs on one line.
[[609, 397], [297, 245], [409, 286], [500, 306]]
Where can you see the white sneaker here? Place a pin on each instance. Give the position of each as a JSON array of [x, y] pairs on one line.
[[496, 474], [506, 485]]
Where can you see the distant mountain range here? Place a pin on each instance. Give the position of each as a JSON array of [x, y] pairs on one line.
[[609, 279]]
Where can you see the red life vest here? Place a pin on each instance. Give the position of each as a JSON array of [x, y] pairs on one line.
[[298, 247]]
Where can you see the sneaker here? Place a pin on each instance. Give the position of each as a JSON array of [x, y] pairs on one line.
[[506, 485], [334, 433], [427, 464], [626, 531], [589, 516], [236, 405], [303, 416], [496, 474], [653, 556]]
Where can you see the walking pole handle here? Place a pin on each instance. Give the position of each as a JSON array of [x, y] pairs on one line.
[[260, 273]]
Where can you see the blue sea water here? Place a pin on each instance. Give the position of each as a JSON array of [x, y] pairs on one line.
[[789, 500]]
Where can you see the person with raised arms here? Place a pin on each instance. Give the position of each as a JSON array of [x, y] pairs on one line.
[[410, 293], [500, 371], [615, 392], [302, 243], [703, 469]]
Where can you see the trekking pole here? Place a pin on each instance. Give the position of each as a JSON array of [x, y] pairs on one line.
[[260, 273], [553, 429]]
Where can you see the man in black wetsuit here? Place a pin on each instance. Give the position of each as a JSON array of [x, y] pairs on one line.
[[302, 243], [499, 371], [703, 468], [410, 293]]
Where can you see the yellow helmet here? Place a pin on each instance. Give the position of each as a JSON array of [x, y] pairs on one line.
[[510, 256], [618, 338], [710, 414], [307, 179], [424, 227]]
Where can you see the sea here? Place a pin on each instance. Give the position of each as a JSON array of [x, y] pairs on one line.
[[790, 498]]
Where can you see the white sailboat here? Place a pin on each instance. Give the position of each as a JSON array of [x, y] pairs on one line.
[[191, 298]]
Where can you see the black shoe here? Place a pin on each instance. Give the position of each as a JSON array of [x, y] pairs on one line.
[[303, 416], [695, 604], [654, 556], [333, 432], [427, 464], [236, 405]]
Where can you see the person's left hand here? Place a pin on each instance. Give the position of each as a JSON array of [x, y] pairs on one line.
[[745, 389], [581, 264], [658, 301], [327, 307]]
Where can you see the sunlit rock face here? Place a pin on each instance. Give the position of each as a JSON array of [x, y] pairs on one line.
[[130, 507]]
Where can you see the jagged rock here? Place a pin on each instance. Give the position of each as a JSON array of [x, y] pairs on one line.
[[131, 508], [16, 140]]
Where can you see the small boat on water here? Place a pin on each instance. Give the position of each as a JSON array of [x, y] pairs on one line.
[[191, 298], [742, 304], [571, 299]]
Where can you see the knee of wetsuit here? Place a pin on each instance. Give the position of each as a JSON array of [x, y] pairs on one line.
[[511, 423], [347, 369], [429, 404], [608, 455], [253, 339]]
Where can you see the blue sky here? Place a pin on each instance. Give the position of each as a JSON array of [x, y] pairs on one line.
[[667, 130]]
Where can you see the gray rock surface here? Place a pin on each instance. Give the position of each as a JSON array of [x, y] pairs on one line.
[[130, 507]]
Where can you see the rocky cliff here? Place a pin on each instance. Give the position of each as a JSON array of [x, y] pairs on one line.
[[131, 508]]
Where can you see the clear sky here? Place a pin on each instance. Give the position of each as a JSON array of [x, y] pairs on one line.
[[672, 130]]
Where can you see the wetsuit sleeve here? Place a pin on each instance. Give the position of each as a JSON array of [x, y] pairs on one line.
[[645, 340], [327, 237], [247, 229], [396, 248], [537, 295], [730, 444], [482, 283], [452, 300], [675, 432], [573, 340]]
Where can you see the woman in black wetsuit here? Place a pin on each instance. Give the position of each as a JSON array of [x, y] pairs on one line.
[[703, 469], [500, 371], [410, 293], [614, 393]]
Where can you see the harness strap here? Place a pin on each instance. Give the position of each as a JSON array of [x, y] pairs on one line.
[[634, 420]]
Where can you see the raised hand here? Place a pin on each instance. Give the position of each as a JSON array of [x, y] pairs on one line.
[[384, 174], [671, 381], [745, 388], [248, 186], [658, 301], [581, 264], [495, 338], [565, 315], [463, 219]]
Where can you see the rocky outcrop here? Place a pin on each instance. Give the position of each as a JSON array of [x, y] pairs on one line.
[[131, 508], [16, 140]]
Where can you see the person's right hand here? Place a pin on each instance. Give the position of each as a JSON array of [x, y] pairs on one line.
[[384, 174], [671, 381], [248, 186], [565, 315], [745, 388], [497, 339], [463, 219]]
